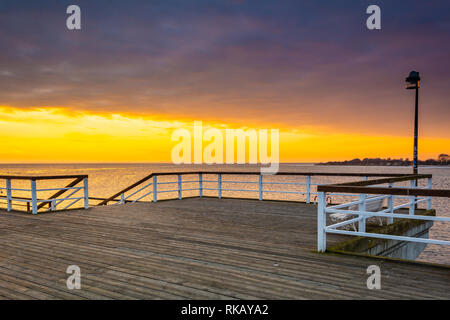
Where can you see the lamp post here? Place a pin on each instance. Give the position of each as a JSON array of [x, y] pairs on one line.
[[413, 82]]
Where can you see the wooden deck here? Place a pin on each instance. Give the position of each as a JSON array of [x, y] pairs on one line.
[[194, 248]]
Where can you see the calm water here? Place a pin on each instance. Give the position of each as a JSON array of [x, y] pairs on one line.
[[106, 179]]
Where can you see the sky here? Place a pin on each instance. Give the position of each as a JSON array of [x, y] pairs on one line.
[[115, 90]]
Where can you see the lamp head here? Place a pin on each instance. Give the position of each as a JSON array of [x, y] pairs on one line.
[[412, 81]]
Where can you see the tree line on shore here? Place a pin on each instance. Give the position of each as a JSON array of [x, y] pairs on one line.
[[443, 159]]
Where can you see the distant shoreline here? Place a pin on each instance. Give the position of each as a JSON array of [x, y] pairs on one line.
[[442, 162], [382, 165]]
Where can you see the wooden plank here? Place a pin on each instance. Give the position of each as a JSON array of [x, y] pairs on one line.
[[195, 248]]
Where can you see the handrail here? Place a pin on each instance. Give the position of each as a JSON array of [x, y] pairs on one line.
[[73, 176], [104, 202], [407, 177], [62, 191], [331, 174], [388, 191], [53, 201], [415, 194]]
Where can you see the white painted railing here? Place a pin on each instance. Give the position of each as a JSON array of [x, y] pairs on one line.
[[225, 182], [152, 190], [370, 194], [62, 198]]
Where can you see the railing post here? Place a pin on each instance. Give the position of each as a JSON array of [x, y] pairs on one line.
[[321, 223], [260, 187], [219, 185], [430, 186], [362, 207], [86, 193], [200, 184], [155, 189], [180, 188], [33, 197], [8, 195], [308, 188], [390, 205], [412, 199]]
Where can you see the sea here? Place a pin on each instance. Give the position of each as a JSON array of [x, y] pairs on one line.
[[105, 179]]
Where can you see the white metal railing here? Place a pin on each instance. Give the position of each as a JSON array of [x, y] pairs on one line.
[[150, 187], [31, 197], [152, 190], [360, 214]]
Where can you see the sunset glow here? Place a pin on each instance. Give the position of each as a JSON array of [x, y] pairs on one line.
[[58, 135], [115, 90]]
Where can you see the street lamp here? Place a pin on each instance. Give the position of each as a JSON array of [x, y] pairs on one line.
[[413, 82]]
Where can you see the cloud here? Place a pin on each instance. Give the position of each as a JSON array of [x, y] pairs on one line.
[[298, 63]]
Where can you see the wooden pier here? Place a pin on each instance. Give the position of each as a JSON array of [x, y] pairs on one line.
[[199, 248]]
